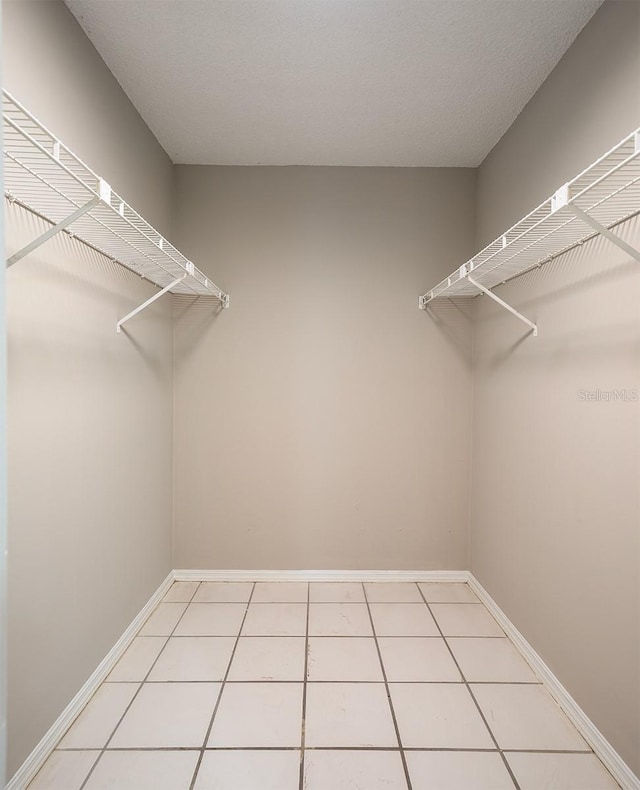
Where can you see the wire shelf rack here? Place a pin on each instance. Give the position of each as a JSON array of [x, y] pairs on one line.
[[45, 177], [602, 196]]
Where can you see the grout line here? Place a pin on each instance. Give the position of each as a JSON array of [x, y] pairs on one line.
[[323, 636], [304, 692], [346, 603], [390, 603], [386, 684], [333, 749], [334, 682], [466, 683], [222, 685], [104, 748]]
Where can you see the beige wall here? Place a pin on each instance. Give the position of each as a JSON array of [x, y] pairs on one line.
[[323, 420], [51, 67], [589, 102], [555, 505], [90, 411]]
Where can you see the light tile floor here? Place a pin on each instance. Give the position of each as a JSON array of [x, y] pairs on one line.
[[321, 686]]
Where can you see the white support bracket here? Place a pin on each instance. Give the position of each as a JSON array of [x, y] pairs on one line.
[[560, 198], [423, 301], [506, 306], [53, 230], [603, 230], [149, 301]]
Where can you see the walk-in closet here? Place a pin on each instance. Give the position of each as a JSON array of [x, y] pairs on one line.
[[320, 395]]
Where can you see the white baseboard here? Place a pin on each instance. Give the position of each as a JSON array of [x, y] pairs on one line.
[[320, 576], [39, 755], [592, 735]]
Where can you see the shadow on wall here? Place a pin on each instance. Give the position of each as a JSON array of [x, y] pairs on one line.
[[193, 318], [68, 290], [454, 319], [573, 300]]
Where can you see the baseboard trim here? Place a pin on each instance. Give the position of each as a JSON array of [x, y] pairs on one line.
[[40, 754], [592, 735], [319, 576]]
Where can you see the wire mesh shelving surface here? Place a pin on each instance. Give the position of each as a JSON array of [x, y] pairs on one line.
[[44, 176], [608, 192]]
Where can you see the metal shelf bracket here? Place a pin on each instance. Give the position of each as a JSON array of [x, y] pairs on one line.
[[149, 301], [506, 306], [604, 231], [52, 231], [562, 200]]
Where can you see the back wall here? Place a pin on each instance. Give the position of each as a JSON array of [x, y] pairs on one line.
[[324, 420]]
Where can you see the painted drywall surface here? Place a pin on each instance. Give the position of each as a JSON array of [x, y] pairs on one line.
[[555, 495], [322, 421], [51, 67], [89, 432], [589, 103]]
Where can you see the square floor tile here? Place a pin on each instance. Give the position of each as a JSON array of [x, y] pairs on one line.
[[223, 592], [156, 770], [211, 619], [392, 592], [343, 658], [93, 727], [348, 714], [351, 770], [138, 659], [163, 619], [280, 592], [276, 619], [438, 716], [181, 592], [402, 619], [167, 715], [417, 658], [465, 619], [494, 660], [448, 592], [560, 772], [268, 658], [193, 658], [526, 717], [64, 771], [336, 592], [258, 714], [339, 619], [458, 771], [249, 770]]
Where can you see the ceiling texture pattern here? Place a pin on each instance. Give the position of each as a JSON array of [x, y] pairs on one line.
[[331, 82]]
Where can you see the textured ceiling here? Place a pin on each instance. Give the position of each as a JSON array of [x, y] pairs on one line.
[[331, 82]]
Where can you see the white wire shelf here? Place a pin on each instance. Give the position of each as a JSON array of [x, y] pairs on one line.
[[602, 196], [44, 176]]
